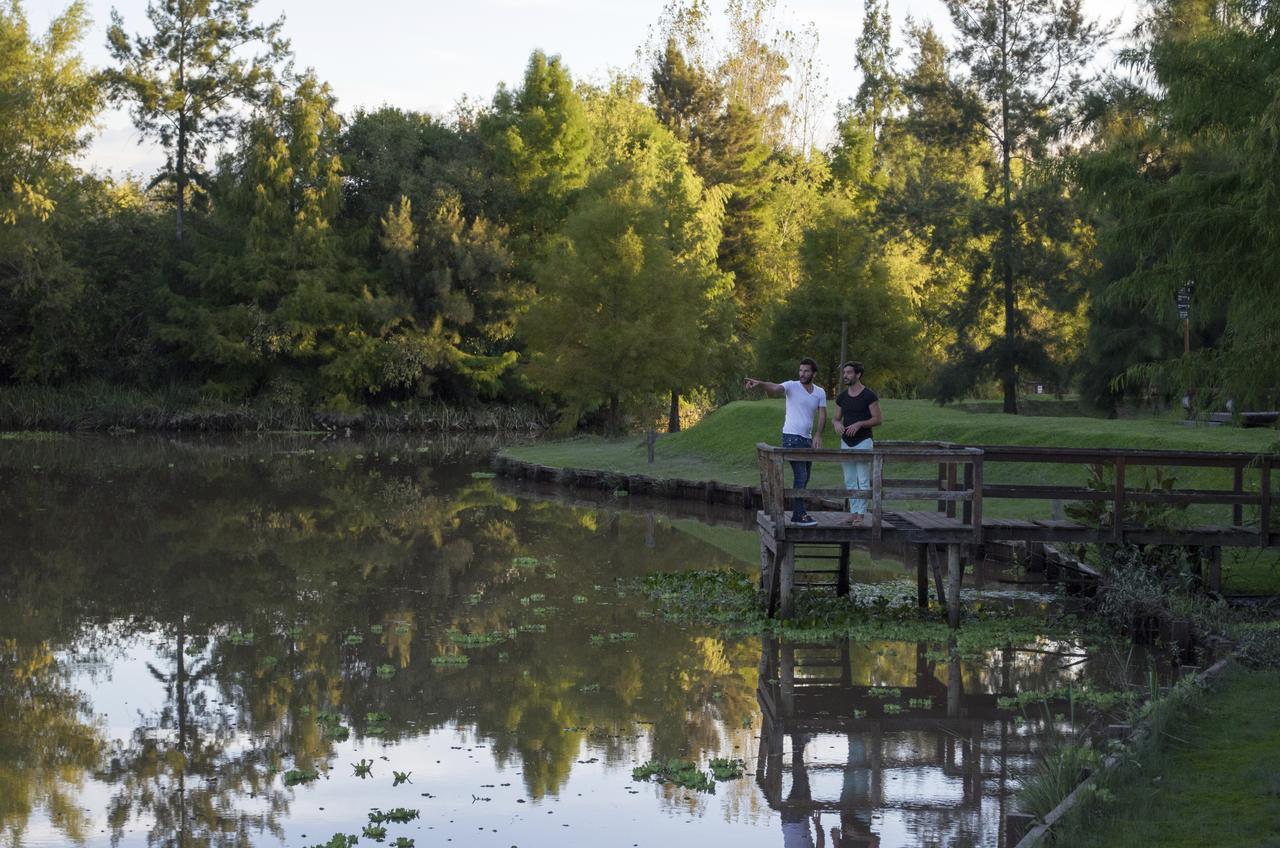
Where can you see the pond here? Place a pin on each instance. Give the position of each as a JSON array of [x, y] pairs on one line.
[[272, 640]]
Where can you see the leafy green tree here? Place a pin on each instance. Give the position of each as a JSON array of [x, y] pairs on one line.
[[630, 304], [1183, 176], [49, 98], [540, 142], [846, 279], [188, 81], [1025, 75]]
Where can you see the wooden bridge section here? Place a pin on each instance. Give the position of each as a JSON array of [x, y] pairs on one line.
[[1130, 497]]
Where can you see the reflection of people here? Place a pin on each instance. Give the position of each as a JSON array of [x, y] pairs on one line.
[[804, 402], [857, 412], [795, 809]]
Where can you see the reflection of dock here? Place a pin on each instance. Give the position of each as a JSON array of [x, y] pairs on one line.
[[950, 750]]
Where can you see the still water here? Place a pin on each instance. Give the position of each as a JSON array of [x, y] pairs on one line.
[[262, 641]]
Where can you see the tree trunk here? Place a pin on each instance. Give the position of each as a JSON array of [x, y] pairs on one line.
[[615, 415], [673, 415], [1008, 367]]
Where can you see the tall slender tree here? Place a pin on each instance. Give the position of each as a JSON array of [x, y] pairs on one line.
[[1026, 64], [187, 82]]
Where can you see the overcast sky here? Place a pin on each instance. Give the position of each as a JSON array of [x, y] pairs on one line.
[[425, 55]]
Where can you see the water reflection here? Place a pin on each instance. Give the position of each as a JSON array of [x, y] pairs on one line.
[[184, 622]]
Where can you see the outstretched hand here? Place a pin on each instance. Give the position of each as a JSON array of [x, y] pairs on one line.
[[749, 384]]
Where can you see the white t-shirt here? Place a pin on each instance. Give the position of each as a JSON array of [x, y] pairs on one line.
[[801, 407]]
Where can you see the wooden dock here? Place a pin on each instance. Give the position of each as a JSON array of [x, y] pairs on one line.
[[944, 514]]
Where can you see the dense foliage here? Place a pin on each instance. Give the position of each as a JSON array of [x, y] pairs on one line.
[[989, 212]]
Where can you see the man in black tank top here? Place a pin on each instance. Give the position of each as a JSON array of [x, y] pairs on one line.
[[857, 413]]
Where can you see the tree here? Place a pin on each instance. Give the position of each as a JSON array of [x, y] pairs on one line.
[[540, 142], [47, 99], [1025, 62], [1183, 178], [187, 82], [630, 304], [845, 278]]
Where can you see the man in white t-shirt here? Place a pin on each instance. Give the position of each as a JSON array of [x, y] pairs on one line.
[[805, 402]]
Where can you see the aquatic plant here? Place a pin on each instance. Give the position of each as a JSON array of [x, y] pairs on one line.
[[722, 769], [524, 561], [376, 832], [399, 777], [590, 687], [293, 777], [892, 709], [476, 640], [363, 769], [920, 703], [339, 840], [385, 671], [884, 692], [579, 599], [1054, 777], [397, 815], [239, 638], [376, 629], [678, 772], [375, 717], [402, 842], [353, 639], [450, 659]]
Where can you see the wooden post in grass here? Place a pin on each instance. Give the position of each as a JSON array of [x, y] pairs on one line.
[[842, 577]]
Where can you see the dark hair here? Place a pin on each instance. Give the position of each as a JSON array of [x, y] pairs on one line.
[[856, 366], [810, 363]]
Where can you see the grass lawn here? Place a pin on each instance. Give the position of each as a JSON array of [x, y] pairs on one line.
[[1217, 783], [722, 447]]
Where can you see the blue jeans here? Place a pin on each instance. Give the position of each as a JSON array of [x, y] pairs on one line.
[[857, 475], [799, 469]]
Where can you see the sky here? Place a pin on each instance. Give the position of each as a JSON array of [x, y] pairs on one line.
[[425, 55]]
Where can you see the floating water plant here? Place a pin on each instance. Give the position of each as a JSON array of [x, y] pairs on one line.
[[884, 692], [920, 703], [524, 561], [402, 842], [295, 633], [353, 639], [293, 777], [402, 630], [375, 717], [375, 629], [483, 475], [338, 733], [386, 671], [859, 713], [399, 777], [398, 815], [590, 687], [892, 709], [475, 640], [376, 832], [338, 840], [579, 599], [678, 772], [533, 628], [451, 659], [364, 768], [722, 769], [624, 636], [241, 638], [269, 662]]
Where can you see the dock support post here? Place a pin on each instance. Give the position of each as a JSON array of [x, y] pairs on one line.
[[922, 576], [954, 573], [842, 578], [936, 566], [785, 562], [1215, 569]]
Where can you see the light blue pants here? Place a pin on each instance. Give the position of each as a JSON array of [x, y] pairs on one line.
[[857, 475]]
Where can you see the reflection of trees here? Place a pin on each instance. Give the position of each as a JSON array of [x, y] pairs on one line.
[[47, 742], [202, 542]]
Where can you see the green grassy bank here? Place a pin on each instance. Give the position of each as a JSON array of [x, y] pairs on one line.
[[1214, 779], [722, 447]]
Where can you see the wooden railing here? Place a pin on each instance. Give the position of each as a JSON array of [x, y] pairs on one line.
[[959, 489], [963, 462]]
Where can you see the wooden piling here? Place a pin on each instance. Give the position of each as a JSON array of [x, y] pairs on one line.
[[954, 573]]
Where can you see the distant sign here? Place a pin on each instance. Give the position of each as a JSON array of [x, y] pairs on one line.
[[1184, 299]]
